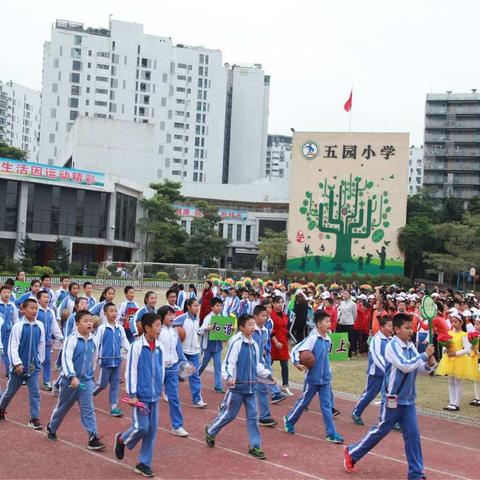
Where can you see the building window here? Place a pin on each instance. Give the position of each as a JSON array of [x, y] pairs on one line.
[[229, 230], [125, 217], [76, 52], [9, 192], [220, 229], [248, 233], [73, 114], [239, 233], [75, 90], [51, 138], [73, 102], [76, 65]]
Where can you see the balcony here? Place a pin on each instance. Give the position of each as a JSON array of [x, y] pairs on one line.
[[456, 151], [464, 109], [432, 109]]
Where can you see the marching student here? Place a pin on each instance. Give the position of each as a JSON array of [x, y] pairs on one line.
[[32, 293], [375, 369], [88, 294], [171, 296], [172, 347], [402, 364], [240, 369], [65, 308], [318, 378], [262, 391], [26, 351], [47, 316], [191, 347], [107, 296], [127, 311], [192, 291], [46, 282], [243, 305], [110, 338], [181, 296], [232, 302], [149, 302], [144, 377], [10, 283], [76, 380], [62, 292], [8, 316], [212, 349]]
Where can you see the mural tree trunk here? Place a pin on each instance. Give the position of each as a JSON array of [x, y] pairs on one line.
[[350, 210]]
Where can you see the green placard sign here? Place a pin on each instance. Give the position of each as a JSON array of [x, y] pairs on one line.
[[339, 348], [428, 310], [20, 288], [223, 327]]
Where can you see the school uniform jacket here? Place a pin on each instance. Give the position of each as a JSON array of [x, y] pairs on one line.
[[79, 356], [50, 324], [25, 296], [231, 305], [172, 346], [69, 326], [110, 340], [138, 316], [60, 294], [145, 370], [27, 344], [261, 337], [123, 310], [402, 364], [91, 302], [320, 373], [191, 324], [376, 355], [8, 316], [242, 363]]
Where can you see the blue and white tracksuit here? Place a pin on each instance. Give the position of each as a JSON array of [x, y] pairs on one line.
[[97, 310], [231, 305], [25, 296], [79, 358], [110, 340], [317, 380], [138, 316], [212, 349], [68, 303], [50, 296], [60, 294], [121, 319], [402, 364], [27, 348], [242, 307], [8, 316], [191, 349], [262, 391], [241, 364], [173, 352], [91, 302], [181, 297], [375, 372], [52, 330], [144, 376]]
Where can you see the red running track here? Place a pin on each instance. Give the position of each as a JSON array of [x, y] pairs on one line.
[[449, 448]]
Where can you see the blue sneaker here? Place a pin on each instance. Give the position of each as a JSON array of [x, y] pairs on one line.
[[278, 397], [287, 426], [357, 419], [335, 438]]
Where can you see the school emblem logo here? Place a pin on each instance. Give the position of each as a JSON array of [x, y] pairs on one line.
[[309, 150]]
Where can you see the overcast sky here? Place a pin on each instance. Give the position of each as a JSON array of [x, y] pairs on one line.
[[393, 52]]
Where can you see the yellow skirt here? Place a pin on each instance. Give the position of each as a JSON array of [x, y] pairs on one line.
[[459, 367]]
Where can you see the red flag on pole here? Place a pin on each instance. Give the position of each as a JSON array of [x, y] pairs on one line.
[[348, 104]]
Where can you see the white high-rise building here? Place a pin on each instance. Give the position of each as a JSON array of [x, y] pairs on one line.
[[246, 123], [121, 73], [20, 117], [279, 153], [415, 170]]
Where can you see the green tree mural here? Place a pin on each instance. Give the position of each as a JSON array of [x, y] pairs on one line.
[[350, 209]]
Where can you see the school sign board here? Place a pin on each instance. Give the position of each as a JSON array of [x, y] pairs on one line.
[[348, 200]]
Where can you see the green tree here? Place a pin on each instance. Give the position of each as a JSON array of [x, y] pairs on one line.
[[27, 252], [414, 239], [474, 206], [349, 209], [273, 248], [421, 204], [61, 255], [452, 210], [6, 151], [205, 245], [165, 238]]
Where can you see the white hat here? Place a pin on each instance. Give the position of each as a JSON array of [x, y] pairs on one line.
[[435, 294], [371, 297], [325, 295], [466, 313], [453, 311], [362, 296], [456, 315]]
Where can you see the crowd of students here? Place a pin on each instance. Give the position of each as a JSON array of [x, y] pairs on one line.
[[168, 342]]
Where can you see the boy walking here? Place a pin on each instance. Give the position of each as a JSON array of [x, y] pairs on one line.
[[26, 353], [240, 369], [402, 364], [144, 376], [375, 369], [318, 378]]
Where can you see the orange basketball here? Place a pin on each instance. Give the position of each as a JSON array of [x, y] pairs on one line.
[[307, 358], [181, 333]]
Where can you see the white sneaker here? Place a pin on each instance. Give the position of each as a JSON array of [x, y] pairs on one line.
[[180, 432], [200, 404], [287, 391]]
